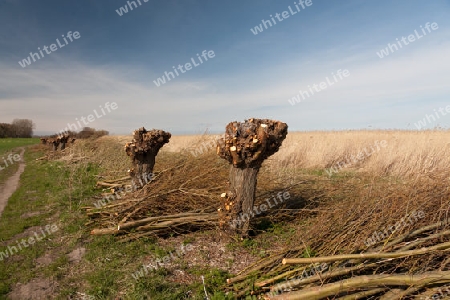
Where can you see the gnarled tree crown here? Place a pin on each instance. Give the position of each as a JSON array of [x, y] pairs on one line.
[[147, 141], [247, 144]]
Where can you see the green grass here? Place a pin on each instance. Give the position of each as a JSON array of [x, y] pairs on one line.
[[8, 146], [43, 192], [8, 169], [10, 143]]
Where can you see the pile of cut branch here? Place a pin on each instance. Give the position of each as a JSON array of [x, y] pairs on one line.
[[411, 266], [180, 198]]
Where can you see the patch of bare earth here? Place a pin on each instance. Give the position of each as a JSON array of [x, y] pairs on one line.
[[10, 186], [49, 257], [45, 259], [29, 232], [76, 255], [207, 250], [36, 289], [30, 214]]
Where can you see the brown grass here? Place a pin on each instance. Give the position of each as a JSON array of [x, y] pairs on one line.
[[408, 153]]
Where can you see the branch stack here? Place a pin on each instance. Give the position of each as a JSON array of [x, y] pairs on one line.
[[413, 266], [180, 198]]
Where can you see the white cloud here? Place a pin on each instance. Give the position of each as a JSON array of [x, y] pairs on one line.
[[55, 96]]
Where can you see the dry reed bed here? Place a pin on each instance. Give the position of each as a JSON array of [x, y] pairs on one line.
[[407, 153]]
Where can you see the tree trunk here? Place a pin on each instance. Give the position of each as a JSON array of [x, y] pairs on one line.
[[55, 145], [237, 206], [143, 164], [245, 146], [63, 140]]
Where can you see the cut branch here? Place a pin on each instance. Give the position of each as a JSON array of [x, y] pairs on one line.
[[153, 223], [421, 251], [336, 288]]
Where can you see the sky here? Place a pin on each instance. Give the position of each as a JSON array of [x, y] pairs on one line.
[[119, 56]]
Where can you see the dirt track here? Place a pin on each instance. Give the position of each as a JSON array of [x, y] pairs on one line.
[[10, 186]]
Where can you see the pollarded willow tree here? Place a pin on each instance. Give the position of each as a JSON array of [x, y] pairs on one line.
[[245, 146], [55, 142], [143, 150], [63, 139]]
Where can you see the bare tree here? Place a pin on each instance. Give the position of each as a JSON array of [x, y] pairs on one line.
[[6, 130], [23, 128]]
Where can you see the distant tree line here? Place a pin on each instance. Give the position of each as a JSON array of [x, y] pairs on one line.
[[19, 128], [85, 133]]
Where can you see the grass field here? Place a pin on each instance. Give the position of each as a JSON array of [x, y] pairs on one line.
[[11, 143], [328, 213], [7, 146]]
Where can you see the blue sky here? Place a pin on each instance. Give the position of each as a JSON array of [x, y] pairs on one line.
[[118, 58]]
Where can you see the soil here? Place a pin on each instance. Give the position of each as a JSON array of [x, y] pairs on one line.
[[10, 186], [39, 288], [76, 255]]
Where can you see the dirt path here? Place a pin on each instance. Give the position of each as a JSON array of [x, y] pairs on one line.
[[10, 186]]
